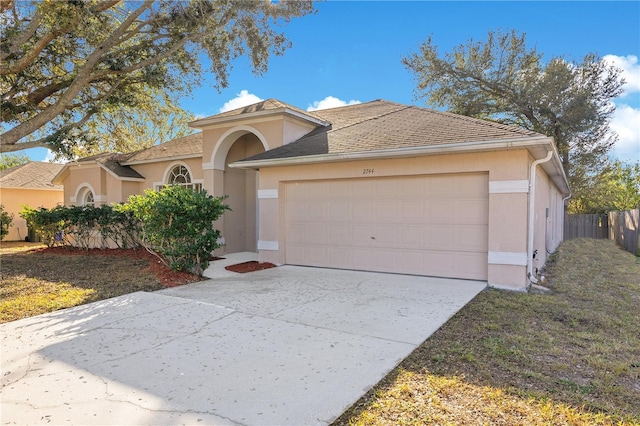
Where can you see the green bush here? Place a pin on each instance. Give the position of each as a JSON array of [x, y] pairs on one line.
[[177, 224], [5, 222], [83, 226], [47, 223]]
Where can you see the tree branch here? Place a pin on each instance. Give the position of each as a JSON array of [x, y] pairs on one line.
[[80, 80]]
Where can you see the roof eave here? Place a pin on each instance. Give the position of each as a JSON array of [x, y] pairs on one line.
[[213, 120], [161, 159], [535, 145]]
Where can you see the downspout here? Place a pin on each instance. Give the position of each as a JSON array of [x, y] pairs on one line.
[[532, 196]]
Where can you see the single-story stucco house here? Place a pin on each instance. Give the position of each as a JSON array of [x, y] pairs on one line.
[[377, 186], [28, 184]]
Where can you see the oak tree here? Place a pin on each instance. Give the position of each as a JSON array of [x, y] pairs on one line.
[[504, 80], [62, 62]]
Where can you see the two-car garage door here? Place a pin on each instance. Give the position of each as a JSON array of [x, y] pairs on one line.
[[424, 225]]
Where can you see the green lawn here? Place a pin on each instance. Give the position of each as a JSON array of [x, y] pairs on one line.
[[571, 357]]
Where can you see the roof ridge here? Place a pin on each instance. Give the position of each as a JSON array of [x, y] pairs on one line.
[[482, 121], [403, 107]]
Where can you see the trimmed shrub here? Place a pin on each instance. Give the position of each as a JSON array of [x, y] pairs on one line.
[[177, 224]]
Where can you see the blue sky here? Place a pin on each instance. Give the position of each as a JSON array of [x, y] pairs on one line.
[[350, 51]]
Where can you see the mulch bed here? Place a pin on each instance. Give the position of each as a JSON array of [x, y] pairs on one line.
[[167, 276], [250, 266]]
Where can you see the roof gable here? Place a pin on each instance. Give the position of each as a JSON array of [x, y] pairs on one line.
[[270, 107]]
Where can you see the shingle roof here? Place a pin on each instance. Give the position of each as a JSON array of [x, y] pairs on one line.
[[32, 175], [381, 125], [186, 146]]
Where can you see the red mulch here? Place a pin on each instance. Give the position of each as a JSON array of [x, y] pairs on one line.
[[167, 276], [250, 266]]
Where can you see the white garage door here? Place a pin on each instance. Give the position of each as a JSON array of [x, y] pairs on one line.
[[425, 225]]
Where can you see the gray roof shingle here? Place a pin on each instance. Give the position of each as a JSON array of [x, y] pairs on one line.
[[32, 175], [185, 146], [380, 125]]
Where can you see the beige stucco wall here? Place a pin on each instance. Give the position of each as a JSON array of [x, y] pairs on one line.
[[80, 176], [14, 200], [548, 218], [507, 236]]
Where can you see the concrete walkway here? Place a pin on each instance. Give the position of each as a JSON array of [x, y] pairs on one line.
[[283, 346]]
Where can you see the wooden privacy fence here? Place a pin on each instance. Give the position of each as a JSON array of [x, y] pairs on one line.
[[624, 229], [621, 226], [586, 226]]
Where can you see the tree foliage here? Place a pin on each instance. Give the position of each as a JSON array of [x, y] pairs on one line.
[[617, 187], [64, 62], [5, 222], [126, 129], [11, 160], [503, 80]]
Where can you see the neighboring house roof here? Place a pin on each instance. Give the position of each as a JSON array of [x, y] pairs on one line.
[[32, 175], [185, 147], [382, 125]]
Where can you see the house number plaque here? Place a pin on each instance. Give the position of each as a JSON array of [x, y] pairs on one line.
[[367, 171]]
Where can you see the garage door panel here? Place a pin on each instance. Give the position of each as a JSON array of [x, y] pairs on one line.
[[385, 187], [316, 234], [340, 234], [471, 238], [297, 233], [470, 186], [297, 212], [441, 211], [440, 263], [411, 236], [385, 211], [361, 210], [411, 211], [317, 210], [471, 211], [339, 211], [385, 260], [440, 237], [426, 225], [469, 264], [413, 186]]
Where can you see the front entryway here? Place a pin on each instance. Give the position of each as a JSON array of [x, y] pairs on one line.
[[240, 224]]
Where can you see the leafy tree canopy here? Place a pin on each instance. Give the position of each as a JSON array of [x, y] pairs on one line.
[[11, 160], [502, 79], [617, 187], [63, 63], [126, 129]]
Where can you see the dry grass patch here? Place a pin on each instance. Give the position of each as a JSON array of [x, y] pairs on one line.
[[572, 357], [36, 280]]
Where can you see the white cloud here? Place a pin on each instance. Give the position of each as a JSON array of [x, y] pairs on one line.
[[51, 158], [330, 102], [626, 123], [242, 99], [630, 71]]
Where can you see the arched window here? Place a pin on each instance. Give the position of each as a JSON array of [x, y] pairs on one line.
[[88, 198], [85, 197], [179, 175]]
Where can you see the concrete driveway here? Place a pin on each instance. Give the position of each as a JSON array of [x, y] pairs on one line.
[[283, 346]]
